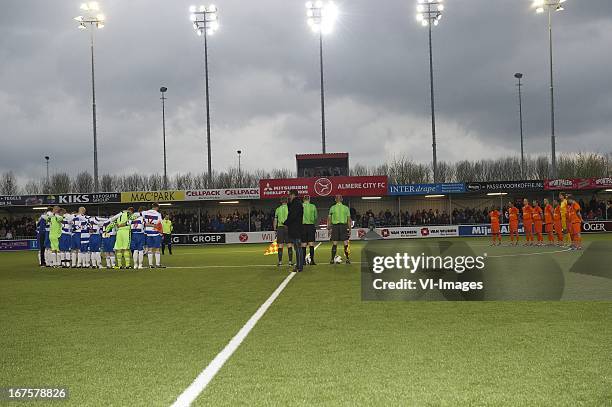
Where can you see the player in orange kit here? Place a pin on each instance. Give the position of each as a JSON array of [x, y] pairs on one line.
[[528, 222], [537, 222], [575, 222], [548, 221], [513, 217], [557, 225], [495, 227]]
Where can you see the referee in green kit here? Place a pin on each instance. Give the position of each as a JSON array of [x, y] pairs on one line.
[[340, 223], [309, 230]]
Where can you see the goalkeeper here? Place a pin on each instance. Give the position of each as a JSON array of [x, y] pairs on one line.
[[122, 243]]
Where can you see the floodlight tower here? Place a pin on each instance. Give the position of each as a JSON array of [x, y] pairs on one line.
[[92, 18], [321, 16], [519, 85], [550, 6], [429, 12], [205, 22]]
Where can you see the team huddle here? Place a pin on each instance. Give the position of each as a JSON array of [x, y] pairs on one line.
[[558, 220], [76, 240]]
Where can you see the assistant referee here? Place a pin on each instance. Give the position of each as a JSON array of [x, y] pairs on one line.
[[339, 221]]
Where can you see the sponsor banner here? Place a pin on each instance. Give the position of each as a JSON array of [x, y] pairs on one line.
[[426, 189], [9, 245], [67, 199], [152, 196], [250, 237], [411, 232], [324, 186], [10, 200], [577, 184], [485, 230], [597, 226], [504, 186], [199, 238], [221, 194]]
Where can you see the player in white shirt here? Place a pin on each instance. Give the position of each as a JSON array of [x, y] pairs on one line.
[[85, 256], [66, 240], [79, 221], [108, 242], [95, 241], [137, 240], [152, 219]]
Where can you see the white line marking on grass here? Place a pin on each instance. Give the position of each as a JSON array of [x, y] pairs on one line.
[[200, 383], [532, 254]]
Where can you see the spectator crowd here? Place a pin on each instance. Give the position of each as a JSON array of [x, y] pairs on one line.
[[185, 221]]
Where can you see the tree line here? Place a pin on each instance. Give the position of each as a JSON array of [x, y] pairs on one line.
[[400, 170]]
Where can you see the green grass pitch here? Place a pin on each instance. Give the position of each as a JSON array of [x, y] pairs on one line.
[[139, 338]]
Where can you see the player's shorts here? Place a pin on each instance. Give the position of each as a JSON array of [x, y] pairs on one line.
[[153, 242], [76, 241], [528, 227], [64, 242], [54, 243], [122, 241], [548, 227], [538, 227], [558, 227], [495, 228], [137, 242], [339, 232], [282, 235], [309, 233], [47, 241], [576, 228], [94, 243], [108, 243], [84, 246], [513, 226]]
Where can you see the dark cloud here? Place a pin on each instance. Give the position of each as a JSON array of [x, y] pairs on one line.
[[265, 83]]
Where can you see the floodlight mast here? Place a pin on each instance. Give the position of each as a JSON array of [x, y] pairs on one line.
[[540, 6], [205, 20], [92, 17], [321, 17], [429, 12]]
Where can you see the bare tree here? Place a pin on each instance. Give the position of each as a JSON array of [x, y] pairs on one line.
[[108, 183], [8, 184], [60, 183], [83, 183], [34, 187]]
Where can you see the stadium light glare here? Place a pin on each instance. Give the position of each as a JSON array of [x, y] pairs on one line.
[[371, 198], [497, 194], [608, 190], [40, 208], [229, 202], [435, 196], [165, 204]]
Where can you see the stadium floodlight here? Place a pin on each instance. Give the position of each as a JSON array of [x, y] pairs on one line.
[[321, 17], [205, 21], [92, 18], [429, 12], [163, 98], [540, 6], [519, 76]]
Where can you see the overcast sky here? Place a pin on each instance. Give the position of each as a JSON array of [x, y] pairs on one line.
[[265, 84]]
